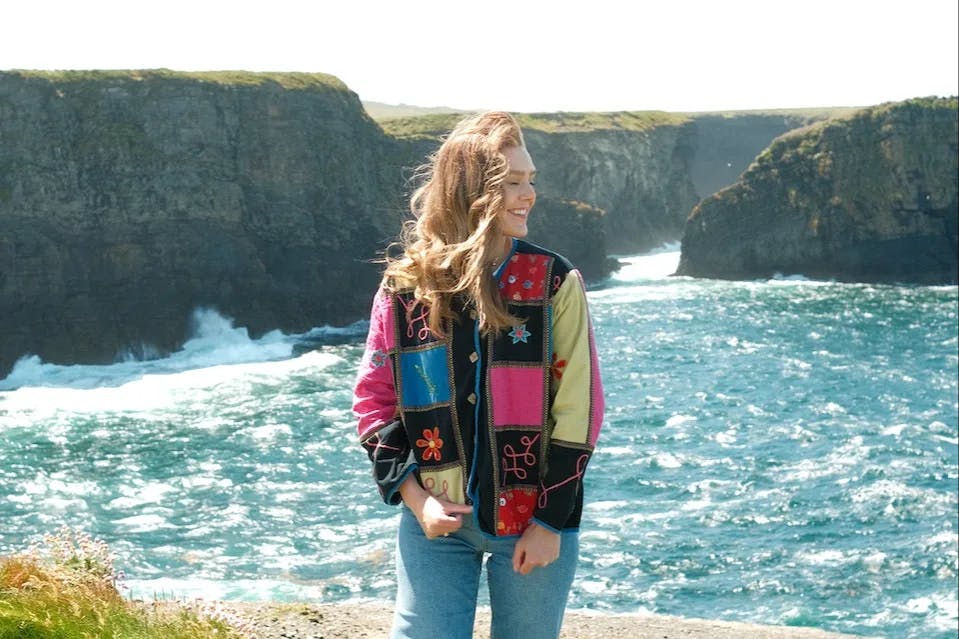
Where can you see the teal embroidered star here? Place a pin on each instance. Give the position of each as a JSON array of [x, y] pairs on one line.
[[520, 334]]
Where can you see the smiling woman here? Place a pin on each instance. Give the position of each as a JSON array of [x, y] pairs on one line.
[[469, 320], [518, 193]]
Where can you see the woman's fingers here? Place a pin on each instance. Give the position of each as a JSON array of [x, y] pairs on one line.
[[536, 548], [441, 517]]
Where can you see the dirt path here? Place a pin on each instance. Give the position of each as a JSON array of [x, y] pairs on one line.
[[364, 621]]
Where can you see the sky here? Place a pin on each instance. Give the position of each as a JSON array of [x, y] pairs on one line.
[[522, 55]]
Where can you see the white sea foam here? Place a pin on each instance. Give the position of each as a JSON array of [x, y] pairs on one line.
[[233, 590], [134, 496], [667, 460], [606, 505], [143, 523], [269, 431], [874, 561], [594, 586], [655, 265], [695, 504], [63, 504], [215, 342], [895, 430], [823, 558], [151, 395], [947, 537], [677, 420], [726, 438]]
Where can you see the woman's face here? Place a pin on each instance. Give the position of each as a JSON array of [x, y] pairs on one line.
[[518, 192]]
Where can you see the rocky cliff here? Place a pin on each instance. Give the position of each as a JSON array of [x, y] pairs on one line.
[[128, 199], [871, 196]]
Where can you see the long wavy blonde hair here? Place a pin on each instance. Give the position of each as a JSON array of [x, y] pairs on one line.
[[453, 242]]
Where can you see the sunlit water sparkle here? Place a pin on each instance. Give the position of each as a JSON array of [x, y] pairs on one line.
[[780, 452]]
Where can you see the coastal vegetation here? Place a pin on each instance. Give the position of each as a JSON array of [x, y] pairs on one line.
[[67, 588], [285, 80], [433, 125]]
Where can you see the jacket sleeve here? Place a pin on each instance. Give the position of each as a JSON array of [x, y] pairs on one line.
[[576, 413], [379, 425]]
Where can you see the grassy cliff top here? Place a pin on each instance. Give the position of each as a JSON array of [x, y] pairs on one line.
[[234, 78], [811, 113], [431, 125], [380, 111], [877, 111], [436, 124]]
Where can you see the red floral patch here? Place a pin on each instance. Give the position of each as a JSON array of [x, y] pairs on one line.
[[516, 506], [431, 444]]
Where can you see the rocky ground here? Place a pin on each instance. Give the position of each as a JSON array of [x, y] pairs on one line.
[[364, 621]]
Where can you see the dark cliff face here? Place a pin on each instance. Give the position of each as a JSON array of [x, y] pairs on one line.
[[868, 197], [639, 178], [129, 199]]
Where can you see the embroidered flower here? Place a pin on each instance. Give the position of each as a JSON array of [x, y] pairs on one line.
[[558, 366], [528, 284], [511, 279], [377, 359], [520, 334], [431, 443]]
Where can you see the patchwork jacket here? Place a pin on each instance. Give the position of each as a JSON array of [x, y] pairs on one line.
[[506, 422]]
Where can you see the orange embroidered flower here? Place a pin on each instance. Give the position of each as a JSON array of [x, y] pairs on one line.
[[432, 444], [558, 366]]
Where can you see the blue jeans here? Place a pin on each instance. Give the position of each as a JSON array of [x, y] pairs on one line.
[[438, 580]]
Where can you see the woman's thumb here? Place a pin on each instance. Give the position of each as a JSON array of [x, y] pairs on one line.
[[459, 508]]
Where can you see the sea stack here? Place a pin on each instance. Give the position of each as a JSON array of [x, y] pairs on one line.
[[868, 197]]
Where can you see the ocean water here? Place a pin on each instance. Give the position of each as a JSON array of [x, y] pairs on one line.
[[778, 452]]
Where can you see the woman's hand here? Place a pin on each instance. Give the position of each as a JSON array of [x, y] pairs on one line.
[[537, 548], [437, 516]]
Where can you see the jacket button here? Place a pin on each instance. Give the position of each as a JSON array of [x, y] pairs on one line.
[[472, 398], [474, 356]]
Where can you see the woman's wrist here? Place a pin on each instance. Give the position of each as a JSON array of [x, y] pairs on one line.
[[413, 494]]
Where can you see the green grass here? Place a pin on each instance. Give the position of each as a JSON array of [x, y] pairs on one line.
[[381, 111], [436, 124], [810, 113], [807, 135], [71, 593], [290, 80]]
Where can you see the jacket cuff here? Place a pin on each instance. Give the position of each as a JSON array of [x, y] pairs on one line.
[[390, 488], [561, 487], [393, 460]]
